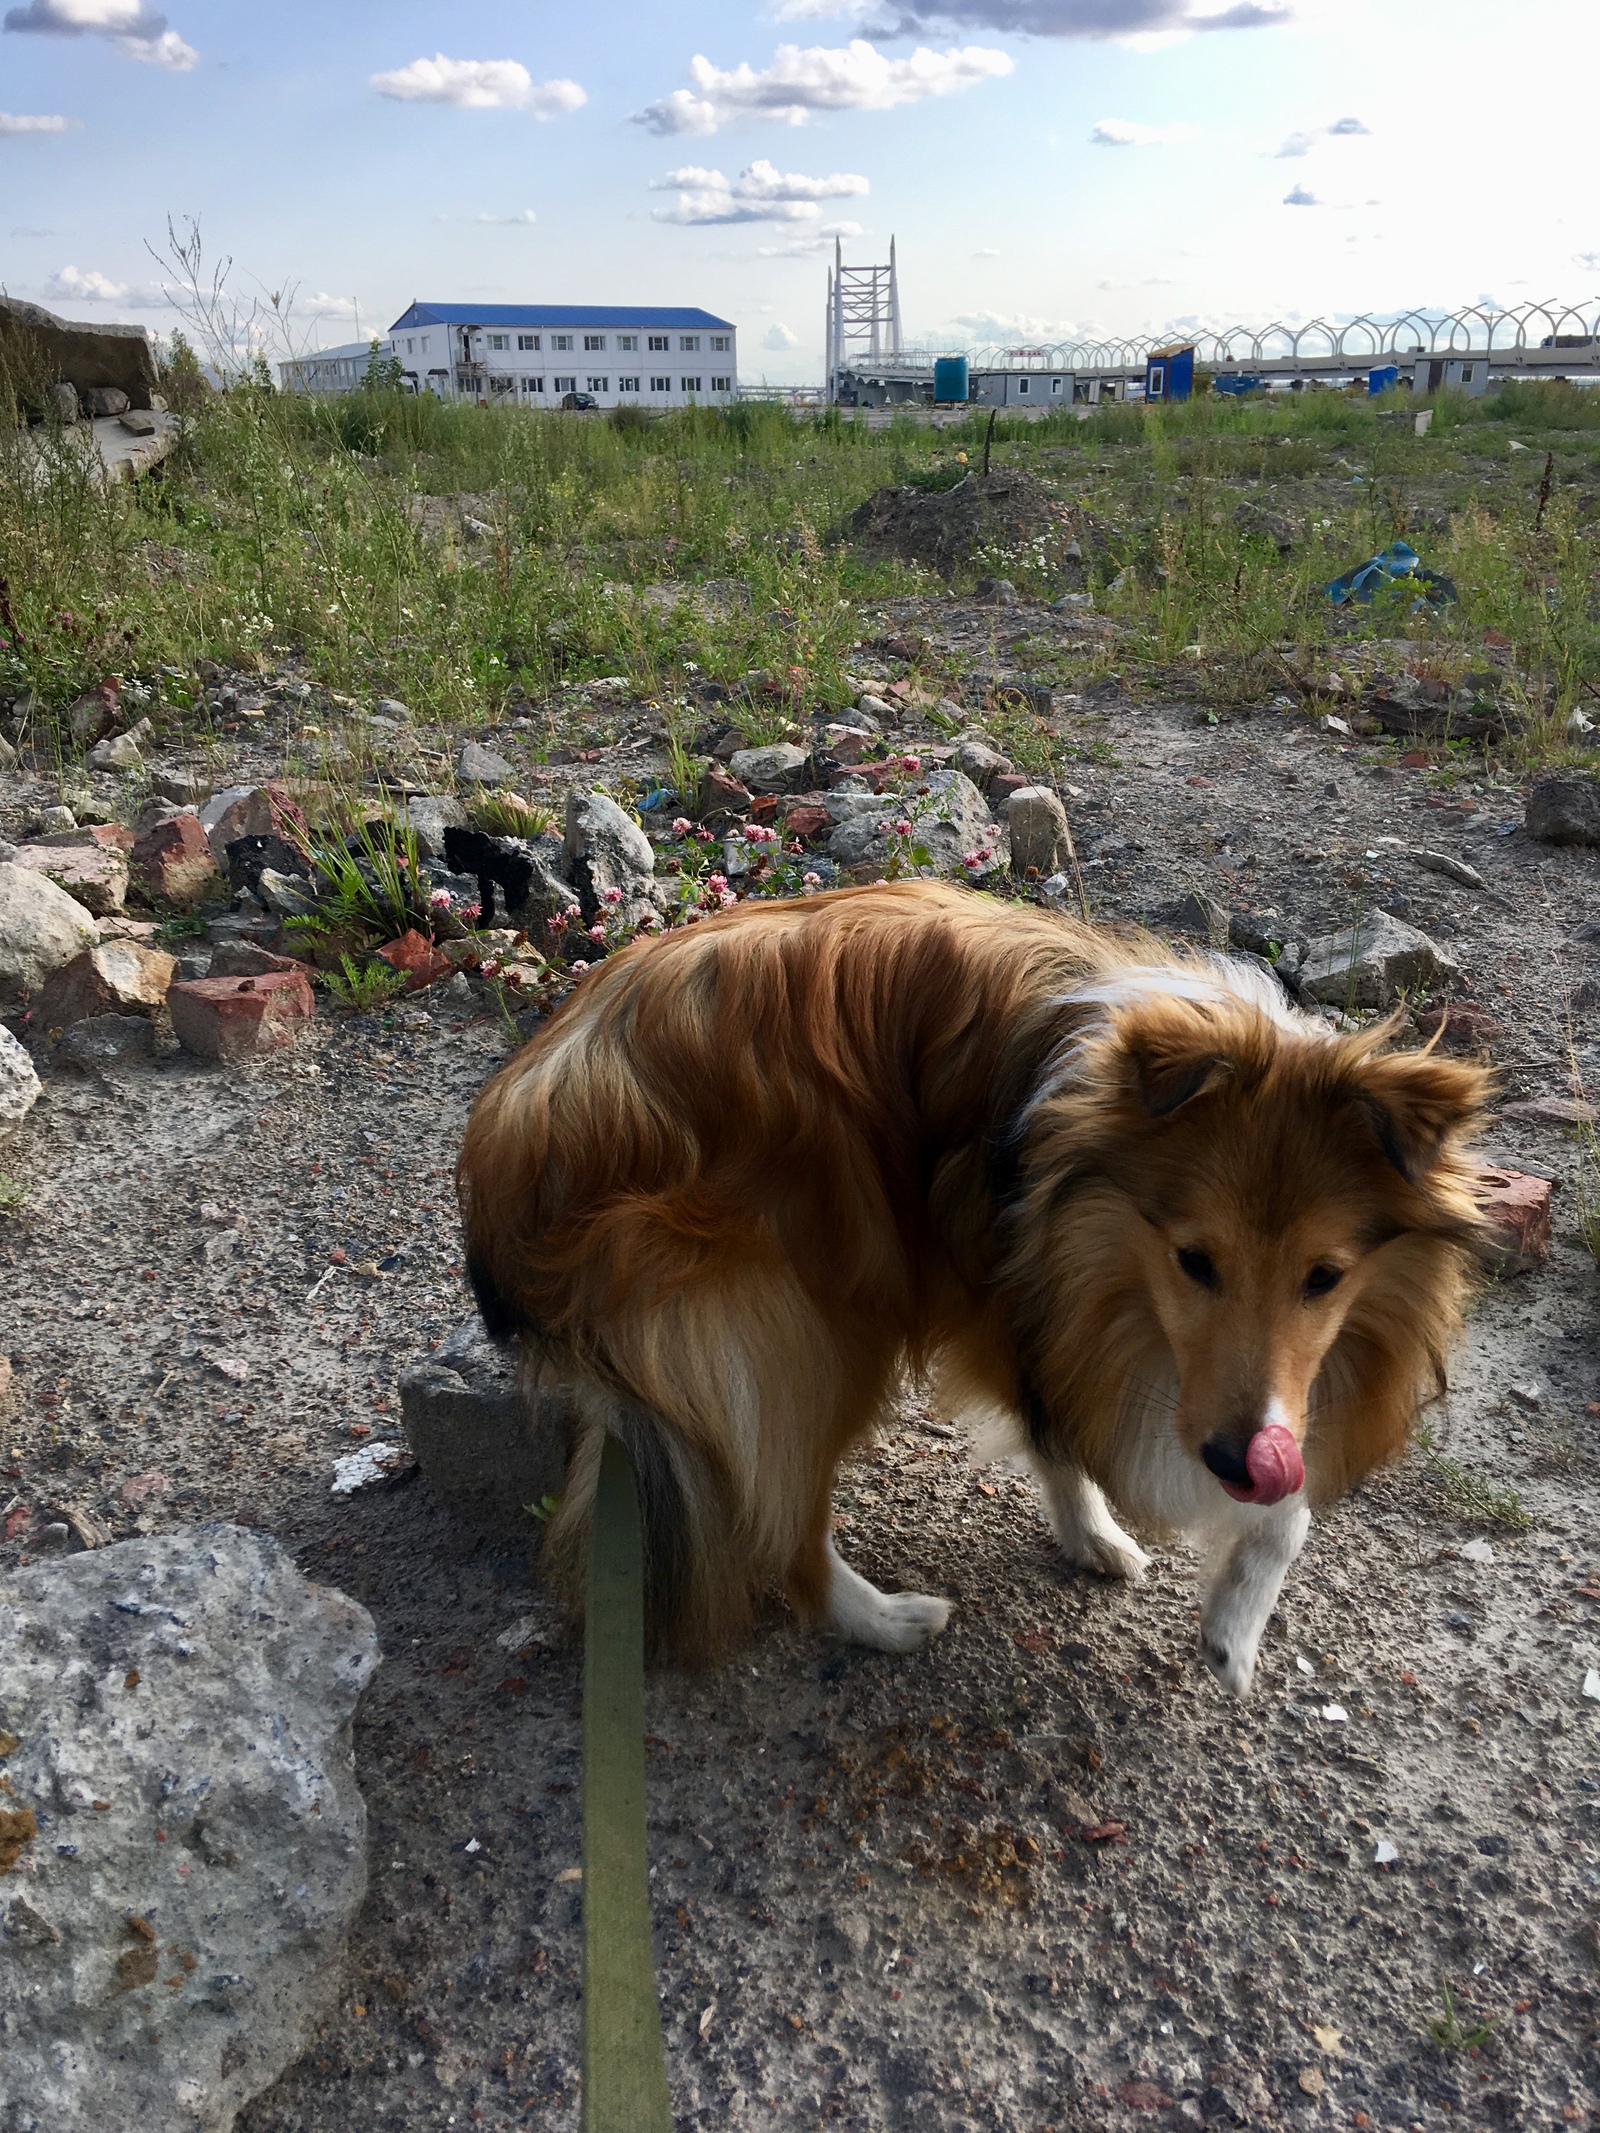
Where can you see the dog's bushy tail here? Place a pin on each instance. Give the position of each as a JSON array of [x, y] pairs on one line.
[[701, 1570]]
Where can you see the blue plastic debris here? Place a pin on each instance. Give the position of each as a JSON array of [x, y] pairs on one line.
[[655, 803], [1398, 561]]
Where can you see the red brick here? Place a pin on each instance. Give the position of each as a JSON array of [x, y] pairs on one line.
[[808, 822], [417, 958], [1004, 783], [764, 807], [720, 795], [174, 863], [229, 1018], [1516, 1208]]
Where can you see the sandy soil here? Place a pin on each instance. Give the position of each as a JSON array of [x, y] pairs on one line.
[[1043, 1875]]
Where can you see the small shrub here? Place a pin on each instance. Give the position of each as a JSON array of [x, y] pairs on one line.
[[364, 987]]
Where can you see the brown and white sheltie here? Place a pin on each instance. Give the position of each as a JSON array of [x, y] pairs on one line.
[[1205, 1255]]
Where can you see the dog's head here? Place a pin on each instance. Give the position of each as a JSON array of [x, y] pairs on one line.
[[1282, 1216]]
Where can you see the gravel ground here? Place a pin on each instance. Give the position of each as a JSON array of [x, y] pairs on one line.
[[1043, 1874]]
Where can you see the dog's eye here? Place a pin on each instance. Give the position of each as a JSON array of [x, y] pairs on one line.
[[1198, 1267], [1323, 1278]]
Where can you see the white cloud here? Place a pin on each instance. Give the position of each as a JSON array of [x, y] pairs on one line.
[[813, 241], [1299, 144], [778, 337], [803, 80], [97, 288], [13, 122], [135, 28], [1299, 197], [1128, 133], [1147, 22], [479, 85], [322, 305], [760, 193]]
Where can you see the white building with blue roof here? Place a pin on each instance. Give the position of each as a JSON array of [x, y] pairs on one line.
[[533, 355]]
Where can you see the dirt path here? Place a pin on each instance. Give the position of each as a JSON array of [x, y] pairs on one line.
[[1042, 1875]]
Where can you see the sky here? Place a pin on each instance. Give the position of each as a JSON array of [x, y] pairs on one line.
[[1051, 169]]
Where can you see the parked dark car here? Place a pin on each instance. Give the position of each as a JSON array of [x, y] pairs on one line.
[[577, 403]]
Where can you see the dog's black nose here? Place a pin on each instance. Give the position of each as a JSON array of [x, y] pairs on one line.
[[1226, 1461]]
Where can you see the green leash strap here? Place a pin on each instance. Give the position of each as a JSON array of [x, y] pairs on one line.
[[624, 2061]]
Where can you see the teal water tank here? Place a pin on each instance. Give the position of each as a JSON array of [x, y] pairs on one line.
[[949, 378]]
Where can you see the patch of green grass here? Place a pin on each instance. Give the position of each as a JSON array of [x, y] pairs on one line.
[[1472, 1494], [13, 1196], [505, 814], [1448, 2030]]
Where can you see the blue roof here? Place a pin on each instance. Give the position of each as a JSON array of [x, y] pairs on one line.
[[556, 315]]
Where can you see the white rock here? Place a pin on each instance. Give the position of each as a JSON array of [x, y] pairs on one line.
[[120, 752], [1036, 823], [1373, 964], [606, 849], [430, 816], [373, 1462], [779, 768], [199, 1686], [477, 765], [19, 1084], [1384, 1853], [41, 928]]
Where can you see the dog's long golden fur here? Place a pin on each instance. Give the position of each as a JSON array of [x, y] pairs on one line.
[[756, 1169]]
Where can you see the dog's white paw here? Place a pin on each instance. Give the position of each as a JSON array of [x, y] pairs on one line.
[[1230, 1657], [887, 1621], [1110, 1554]]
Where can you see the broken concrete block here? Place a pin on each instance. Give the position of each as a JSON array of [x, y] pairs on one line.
[[94, 875], [1036, 823], [430, 816], [113, 978], [1516, 1212], [41, 927], [235, 811], [120, 751], [606, 849], [230, 1018], [485, 1451], [477, 765], [1372, 964], [1564, 810], [173, 862], [19, 1084], [194, 1843], [780, 768], [101, 1042]]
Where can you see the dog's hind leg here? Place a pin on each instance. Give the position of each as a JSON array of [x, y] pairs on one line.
[[1245, 1590], [888, 1621], [1080, 1518]]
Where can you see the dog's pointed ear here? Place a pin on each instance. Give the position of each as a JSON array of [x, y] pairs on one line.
[[1419, 1105], [1171, 1059]]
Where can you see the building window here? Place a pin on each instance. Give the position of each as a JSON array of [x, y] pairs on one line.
[[594, 342], [599, 385], [499, 340], [499, 386], [627, 385], [661, 385], [1158, 381], [566, 385], [720, 344], [1466, 373], [722, 385], [628, 341], [527, 340], [1055, 385], [658, 344], [1022, 386], [424, 344], [561, 340], [689, 385], [533, 385], [689, 343]]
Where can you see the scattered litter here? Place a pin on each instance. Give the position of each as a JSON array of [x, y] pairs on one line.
[[1304, 1665], [1591, 1684], [1455, 1619], [525, 1630], [1384, 1853], [1478, 1551], [1335, 1714], [232, 1367], [1330, 2039], [1529, 1397], [472, 1845], [570, 1873], [1399, 560], [374, 1462], [707, 2017]]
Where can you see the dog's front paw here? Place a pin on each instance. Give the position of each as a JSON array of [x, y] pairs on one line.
[[905, 1621], [1108, 1555], [1232, 1659]]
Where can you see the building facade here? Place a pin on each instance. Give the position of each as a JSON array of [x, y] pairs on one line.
[[331, 370], [533, 355]]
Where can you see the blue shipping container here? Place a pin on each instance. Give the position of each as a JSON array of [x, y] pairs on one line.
[[1380, 380], [1169, 374], [949, 378]]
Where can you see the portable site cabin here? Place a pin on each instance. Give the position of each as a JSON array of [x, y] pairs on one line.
[[1023, 389], [1169, 373], [1456, 374]]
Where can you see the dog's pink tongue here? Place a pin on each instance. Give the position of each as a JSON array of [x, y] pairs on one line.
[[1273, 1461]]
